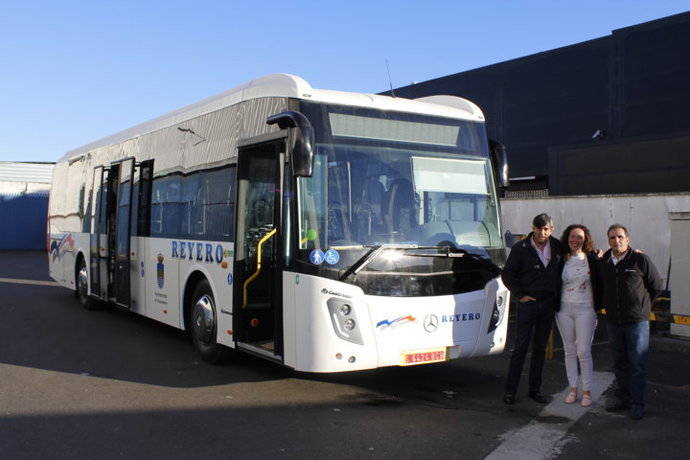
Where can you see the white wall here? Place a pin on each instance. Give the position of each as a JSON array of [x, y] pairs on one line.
[[18, 171], [680, 269], [645, 216]]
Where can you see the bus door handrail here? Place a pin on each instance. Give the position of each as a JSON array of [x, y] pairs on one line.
[[259, 248]]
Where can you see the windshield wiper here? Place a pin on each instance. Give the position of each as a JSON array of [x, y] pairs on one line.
[[373, 253], [448, 253]]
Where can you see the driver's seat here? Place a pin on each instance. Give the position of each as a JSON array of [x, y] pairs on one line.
[[401, 207], [369, 209]]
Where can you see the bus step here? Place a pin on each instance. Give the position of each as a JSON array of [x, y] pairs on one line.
[[267, 345]]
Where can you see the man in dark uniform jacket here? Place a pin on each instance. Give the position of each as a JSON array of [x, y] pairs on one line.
[[629, 282], [532, 276]]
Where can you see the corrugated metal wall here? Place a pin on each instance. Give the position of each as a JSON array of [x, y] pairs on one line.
[[23, 221], [24, 204]]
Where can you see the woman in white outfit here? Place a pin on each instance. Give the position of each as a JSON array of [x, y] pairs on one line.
[[577, 318]]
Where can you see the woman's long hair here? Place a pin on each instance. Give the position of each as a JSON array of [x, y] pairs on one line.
[[587, 245]]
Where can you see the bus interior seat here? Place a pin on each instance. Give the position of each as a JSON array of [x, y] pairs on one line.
[[338, 230], [401, 207], [368, 214]]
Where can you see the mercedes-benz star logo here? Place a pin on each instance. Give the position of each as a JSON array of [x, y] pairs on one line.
[[430, 323]]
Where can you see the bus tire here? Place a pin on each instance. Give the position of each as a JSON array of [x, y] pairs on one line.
[[82, 286], [204, 325]]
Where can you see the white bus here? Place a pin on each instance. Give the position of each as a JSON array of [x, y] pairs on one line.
[[324, 230]]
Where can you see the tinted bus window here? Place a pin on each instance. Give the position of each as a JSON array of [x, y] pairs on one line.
[[198, 206]]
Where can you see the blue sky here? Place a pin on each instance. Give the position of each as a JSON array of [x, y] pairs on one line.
[[75, 71]]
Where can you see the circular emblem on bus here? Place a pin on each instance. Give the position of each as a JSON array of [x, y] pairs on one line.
[[331, 257], [316, 257], [430, 323]]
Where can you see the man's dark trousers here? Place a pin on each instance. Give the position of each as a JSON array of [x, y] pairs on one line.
[[534, 321]]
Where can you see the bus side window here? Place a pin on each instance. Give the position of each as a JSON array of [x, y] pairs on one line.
[[190, 198], [217, 204], [198, 206], [141, 199], [165, 206], [209, 205]]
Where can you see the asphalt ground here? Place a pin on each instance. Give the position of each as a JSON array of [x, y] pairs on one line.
[[111, 384]]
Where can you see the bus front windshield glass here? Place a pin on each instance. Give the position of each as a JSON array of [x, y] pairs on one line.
[[398, 179]]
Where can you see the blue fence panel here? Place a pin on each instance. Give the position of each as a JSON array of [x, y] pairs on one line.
[[23, 221]]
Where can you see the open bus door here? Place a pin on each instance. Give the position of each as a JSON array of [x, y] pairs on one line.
[[110, 239], [119, 249], [258, 292], [98, 243]]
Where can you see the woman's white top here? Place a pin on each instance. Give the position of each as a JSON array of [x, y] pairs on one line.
[[577, 285]]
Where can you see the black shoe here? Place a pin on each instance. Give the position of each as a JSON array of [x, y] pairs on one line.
[[509, 398], [538, 397], [616, 405], [636, 412]]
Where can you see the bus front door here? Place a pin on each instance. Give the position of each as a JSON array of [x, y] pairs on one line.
[[257, 300]]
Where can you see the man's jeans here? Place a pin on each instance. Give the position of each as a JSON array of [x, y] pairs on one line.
[[629, 343]]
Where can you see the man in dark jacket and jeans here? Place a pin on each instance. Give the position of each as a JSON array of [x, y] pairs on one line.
[[629, 282], [532, 275]]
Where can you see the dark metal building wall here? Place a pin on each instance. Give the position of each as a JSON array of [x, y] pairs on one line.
[[650, 166], [531, 103], [655, 79], [631, 85]]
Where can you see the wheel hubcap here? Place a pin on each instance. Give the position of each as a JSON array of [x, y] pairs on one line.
[[203, 322], [82, 280]]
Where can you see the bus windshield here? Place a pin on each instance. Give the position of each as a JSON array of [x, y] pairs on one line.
[[382, 178]]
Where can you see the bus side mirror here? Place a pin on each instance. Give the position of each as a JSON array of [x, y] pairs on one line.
[[499, 159], [302, 145]]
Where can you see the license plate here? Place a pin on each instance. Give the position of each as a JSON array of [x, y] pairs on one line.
[[410, 358]]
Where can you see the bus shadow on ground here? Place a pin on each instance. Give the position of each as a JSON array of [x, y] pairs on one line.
[[44, 328]]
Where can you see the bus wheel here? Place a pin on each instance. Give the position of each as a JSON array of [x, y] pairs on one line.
[[82, 290], [204, 325]]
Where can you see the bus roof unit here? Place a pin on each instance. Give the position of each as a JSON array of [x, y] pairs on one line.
[[289, 86]]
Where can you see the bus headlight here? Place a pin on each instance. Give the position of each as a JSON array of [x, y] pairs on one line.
[[498, 312], [495, 318], [344, 320]]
